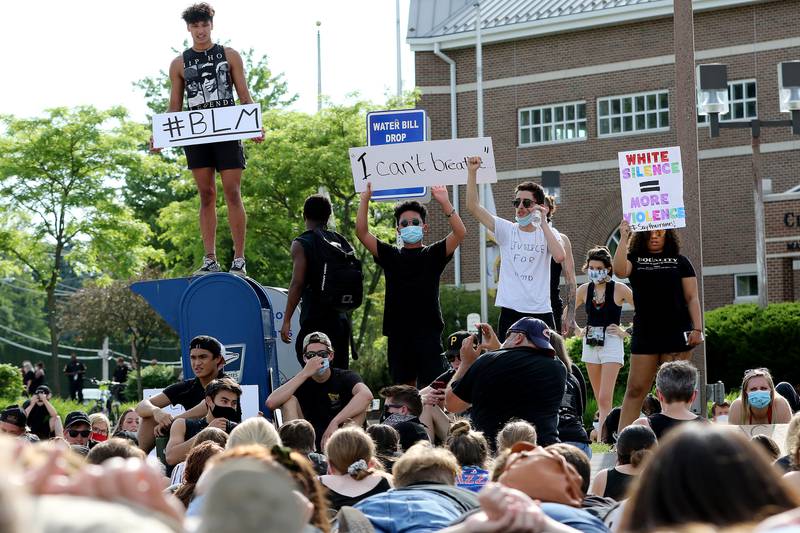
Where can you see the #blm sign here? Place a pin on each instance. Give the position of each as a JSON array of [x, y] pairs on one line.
[[204, 126], [651, 182], [392, 166]]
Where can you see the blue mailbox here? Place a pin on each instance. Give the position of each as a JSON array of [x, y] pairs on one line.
[[235, 310]]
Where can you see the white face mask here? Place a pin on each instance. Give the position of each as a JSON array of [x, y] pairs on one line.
[[597, 276], [722, 419]]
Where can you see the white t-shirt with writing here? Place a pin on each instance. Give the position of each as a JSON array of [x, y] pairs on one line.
[[524, 284]]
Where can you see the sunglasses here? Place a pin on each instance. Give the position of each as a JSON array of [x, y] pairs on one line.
[[321, 353], [413, 222], [393, 405], [526, 202], [83, 433], [760, 371]]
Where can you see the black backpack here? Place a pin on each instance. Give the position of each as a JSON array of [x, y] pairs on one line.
[[341, 282]]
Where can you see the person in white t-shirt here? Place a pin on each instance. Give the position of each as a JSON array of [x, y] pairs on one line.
[[526, 247]]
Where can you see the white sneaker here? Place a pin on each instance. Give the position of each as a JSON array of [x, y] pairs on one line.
[[209, 266], [238, 267]]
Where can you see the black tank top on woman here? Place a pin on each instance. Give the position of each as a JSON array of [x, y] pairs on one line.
[[608, 313], [555, 295], [617, 484], [207, 77]]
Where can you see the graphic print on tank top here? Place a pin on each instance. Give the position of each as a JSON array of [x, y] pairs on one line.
[[208, 78]]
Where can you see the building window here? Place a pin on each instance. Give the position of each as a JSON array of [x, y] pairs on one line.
[[742, 98], [633, 113], [613, 242], [746, 287], [553, 123]]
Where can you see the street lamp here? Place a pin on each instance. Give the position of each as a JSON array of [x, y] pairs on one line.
[[712, 100]]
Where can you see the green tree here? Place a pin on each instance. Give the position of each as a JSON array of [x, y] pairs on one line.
[[57, 192], [113, 310]]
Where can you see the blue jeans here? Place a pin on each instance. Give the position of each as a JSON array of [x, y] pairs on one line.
[[582, 446]]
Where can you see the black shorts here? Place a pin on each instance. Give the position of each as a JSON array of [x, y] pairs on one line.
[[221, 156], [415, 357]]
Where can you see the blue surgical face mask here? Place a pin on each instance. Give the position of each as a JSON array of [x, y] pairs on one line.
[[326, 363], [759, 398], [411, 234], [597, 276], [526, 220]]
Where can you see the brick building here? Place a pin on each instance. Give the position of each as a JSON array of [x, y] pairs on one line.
[[569, 83]]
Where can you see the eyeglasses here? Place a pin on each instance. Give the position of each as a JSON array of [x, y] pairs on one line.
[[393, 405], [83, 433], [526, 202], [413, 221], [321, 353]]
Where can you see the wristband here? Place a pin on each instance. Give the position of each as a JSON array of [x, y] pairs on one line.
[[453, 212]]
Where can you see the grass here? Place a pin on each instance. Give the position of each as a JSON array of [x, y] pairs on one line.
[[64, 406]]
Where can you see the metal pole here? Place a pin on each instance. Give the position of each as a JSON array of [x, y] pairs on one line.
[[482, 186], [399, 69], [761, 243], [319, 70], [684, 119]]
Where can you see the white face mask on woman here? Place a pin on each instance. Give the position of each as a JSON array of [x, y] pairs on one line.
[[597, 275]]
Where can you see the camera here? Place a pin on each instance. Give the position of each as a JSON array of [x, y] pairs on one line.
[[479, 335], [595, 335]]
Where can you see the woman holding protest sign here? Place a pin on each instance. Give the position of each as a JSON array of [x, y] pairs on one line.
[[668, 322], [603, 352]]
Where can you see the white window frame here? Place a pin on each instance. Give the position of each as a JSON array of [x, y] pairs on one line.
[[744, 299], [553, 122], [702, 120], [633, 113]]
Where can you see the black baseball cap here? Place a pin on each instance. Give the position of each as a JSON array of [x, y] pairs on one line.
[[14, 415], [42, 389], [76, 417], [207, 342], [535, 330], [454, 341]]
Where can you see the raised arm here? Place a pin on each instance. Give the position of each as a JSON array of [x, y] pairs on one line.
[[282, 394], [473, 205], [369, 240], [622, 267], [299, 265], [457, 229], [554, 245], [568, 318]]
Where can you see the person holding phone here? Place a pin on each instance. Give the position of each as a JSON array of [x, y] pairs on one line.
[[668, 322]]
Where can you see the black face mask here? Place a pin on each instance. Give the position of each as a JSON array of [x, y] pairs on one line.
[[228, 413]]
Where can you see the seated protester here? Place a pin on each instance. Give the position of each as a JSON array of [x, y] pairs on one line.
[[387, 444], [608, 433], [77, 429], [222, 408], [401, 411], [425, 498], [719, 412], [299, 435], [206, 358], [675, 385], [573, 403], [705, 474], [127, 426], [633, 446], [327, 397], [787, 463], [41, 415], [493, 384], [433, 417], [210, 434], [472, 453], [758, 402], [13, 421], [650, 405], [256, 430], [351, 454], [513, 432], [195, 464], [598, 506], [101, 426], [113, 447], [789, 393], [769, 446]]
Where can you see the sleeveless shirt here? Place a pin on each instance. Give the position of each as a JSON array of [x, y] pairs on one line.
[[608, 313], [207, 78]]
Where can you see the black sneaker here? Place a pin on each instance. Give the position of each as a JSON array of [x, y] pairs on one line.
[[209, 266], [238, 267]]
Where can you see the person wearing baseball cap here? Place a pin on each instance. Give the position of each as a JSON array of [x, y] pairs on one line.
[[43, 419], [12, 421], [77, 428], [325, 396], [523, 379]]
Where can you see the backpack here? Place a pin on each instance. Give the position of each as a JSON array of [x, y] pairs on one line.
[[341, 284]]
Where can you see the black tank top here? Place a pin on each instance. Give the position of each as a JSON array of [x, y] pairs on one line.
[[661, 423], [555, 295], [617, 484], [207, 77], [606, 314]]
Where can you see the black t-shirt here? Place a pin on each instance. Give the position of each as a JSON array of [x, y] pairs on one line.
[[39, 421], [320, 402], [37, 381], [311, 308], [121, 373], [78, 369], [412, 287], [657, 283], [514, 383], [570, 414], [187, 393], [27, 379]]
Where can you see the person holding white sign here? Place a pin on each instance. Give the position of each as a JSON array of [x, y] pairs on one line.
[[668, 322], [206, 72], [412, 316], [526, 247]]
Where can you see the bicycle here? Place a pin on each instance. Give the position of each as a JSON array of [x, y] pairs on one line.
[[107, 402]]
